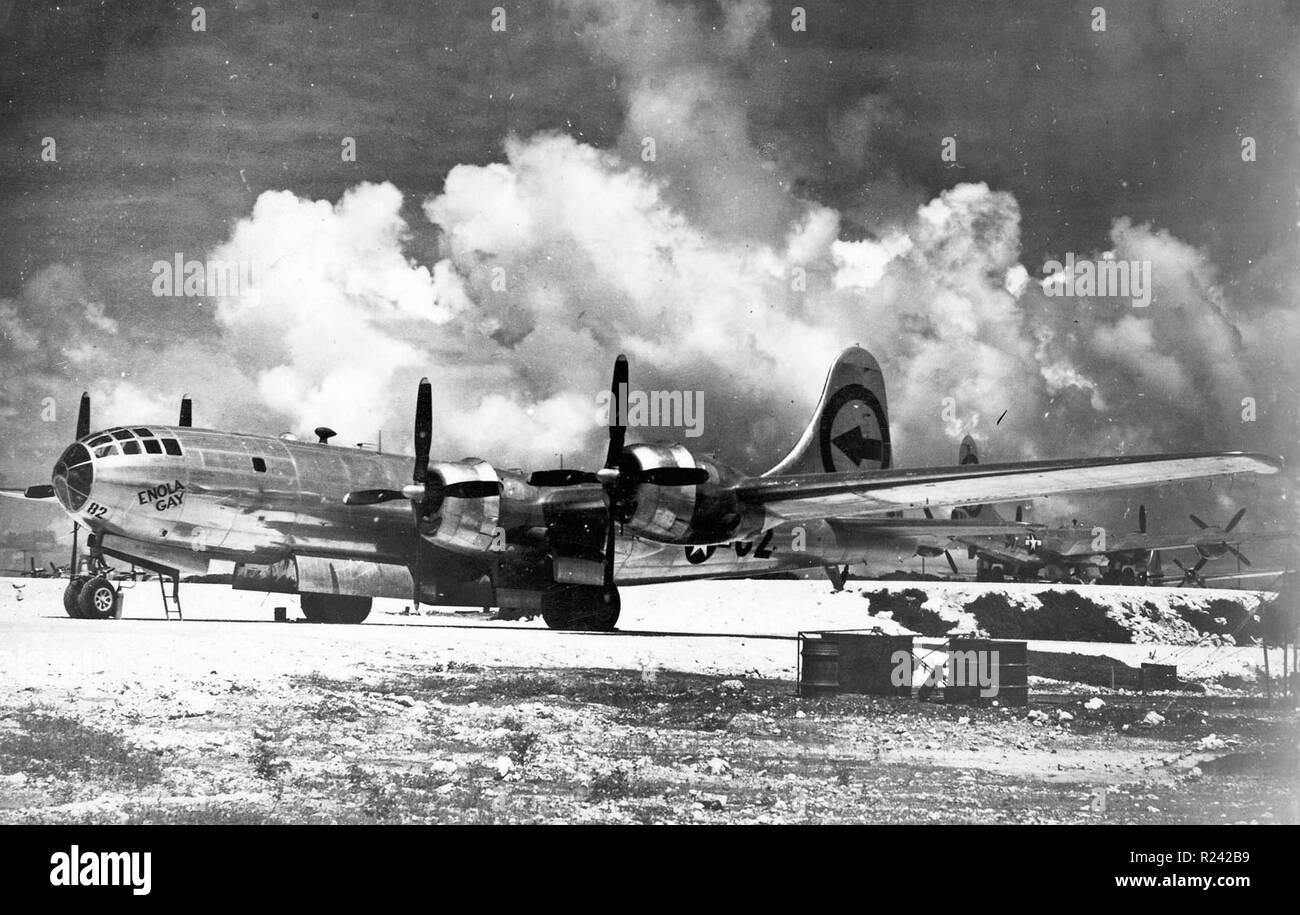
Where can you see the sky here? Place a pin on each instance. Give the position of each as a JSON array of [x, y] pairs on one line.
[[504, 230]]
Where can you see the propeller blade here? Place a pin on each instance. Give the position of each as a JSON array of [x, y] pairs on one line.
[[1198, 522], [187, 411], [45, 491], [1020, 514], [1200, 563], [1142, 519], [1233, 522], [423, 439], [617, 431], [1236, 552], [372, 496], [929, 514], [423, 429], [560, 477], [952, 563], [609, 540], [83, 416], [673, 476]]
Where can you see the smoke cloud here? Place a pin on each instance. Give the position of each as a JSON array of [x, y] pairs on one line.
[[709, 266]]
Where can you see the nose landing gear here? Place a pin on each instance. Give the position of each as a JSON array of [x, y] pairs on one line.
[[70, 595], [96, 600]]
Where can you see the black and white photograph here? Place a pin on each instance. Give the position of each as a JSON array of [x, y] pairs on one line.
[[679, 412]]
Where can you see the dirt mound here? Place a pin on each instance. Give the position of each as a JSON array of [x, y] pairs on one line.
[[1094, 614], [907, 610]]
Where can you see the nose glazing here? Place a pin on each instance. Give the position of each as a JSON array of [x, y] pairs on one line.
[[73, 475]]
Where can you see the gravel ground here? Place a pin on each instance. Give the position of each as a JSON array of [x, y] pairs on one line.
[[232, 718]]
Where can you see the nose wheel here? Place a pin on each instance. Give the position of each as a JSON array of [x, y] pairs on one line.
[[97, 600], [70, 595]]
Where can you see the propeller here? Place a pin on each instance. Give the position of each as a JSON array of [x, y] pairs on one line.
[[1192, 575], [952, 563], [83, 429], [1227, 529], [619, 476], [426, 495], [423, 434], [83, 416]]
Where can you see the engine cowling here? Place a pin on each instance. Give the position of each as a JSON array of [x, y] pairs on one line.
[[707, 513], [465, 525]]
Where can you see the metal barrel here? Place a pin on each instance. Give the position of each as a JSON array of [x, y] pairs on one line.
[[976, 656], [820, 673], [867, 663], [1159, 676]]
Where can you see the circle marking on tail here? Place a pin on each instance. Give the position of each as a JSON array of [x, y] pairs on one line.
[[854, 433]]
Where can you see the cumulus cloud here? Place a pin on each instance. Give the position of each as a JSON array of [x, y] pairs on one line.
[[712, 272], [560, 255]]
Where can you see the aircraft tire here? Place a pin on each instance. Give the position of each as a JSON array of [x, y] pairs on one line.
[[585, 609], [335, 608], [70, 595], [97, 599]]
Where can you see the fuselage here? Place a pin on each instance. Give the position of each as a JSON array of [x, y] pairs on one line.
[[182, 497]]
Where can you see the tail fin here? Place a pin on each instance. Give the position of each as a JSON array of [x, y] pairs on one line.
[[969, 453], [850, 427]]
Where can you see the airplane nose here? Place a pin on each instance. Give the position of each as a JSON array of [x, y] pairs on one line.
[[73, 476]]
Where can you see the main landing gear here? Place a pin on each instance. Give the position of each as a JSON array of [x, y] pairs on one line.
[[582, 608], [334, 608], [89, 598]]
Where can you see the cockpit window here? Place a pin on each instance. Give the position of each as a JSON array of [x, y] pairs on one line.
[[143, 433], [106, 450], [171, 446], [98, 440], [121, 433], [131, 447], [151, 446]]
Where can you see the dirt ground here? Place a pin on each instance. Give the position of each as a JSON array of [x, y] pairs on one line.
[[450, 719]]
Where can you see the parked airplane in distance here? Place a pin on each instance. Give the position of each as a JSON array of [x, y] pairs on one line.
[[1080, 553], [340, 526]]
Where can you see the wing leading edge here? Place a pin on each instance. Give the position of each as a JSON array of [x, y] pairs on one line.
[[807, 497]]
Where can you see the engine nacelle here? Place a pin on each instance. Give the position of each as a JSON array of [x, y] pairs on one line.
[[459, 524], [708, 513]]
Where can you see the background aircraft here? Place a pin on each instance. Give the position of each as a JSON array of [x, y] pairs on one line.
[[1084, 553], [340, 526]]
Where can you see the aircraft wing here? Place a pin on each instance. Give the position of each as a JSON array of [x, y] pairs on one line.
[[1127, 543], [960, 529], [1242, 576], [808, 497]]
